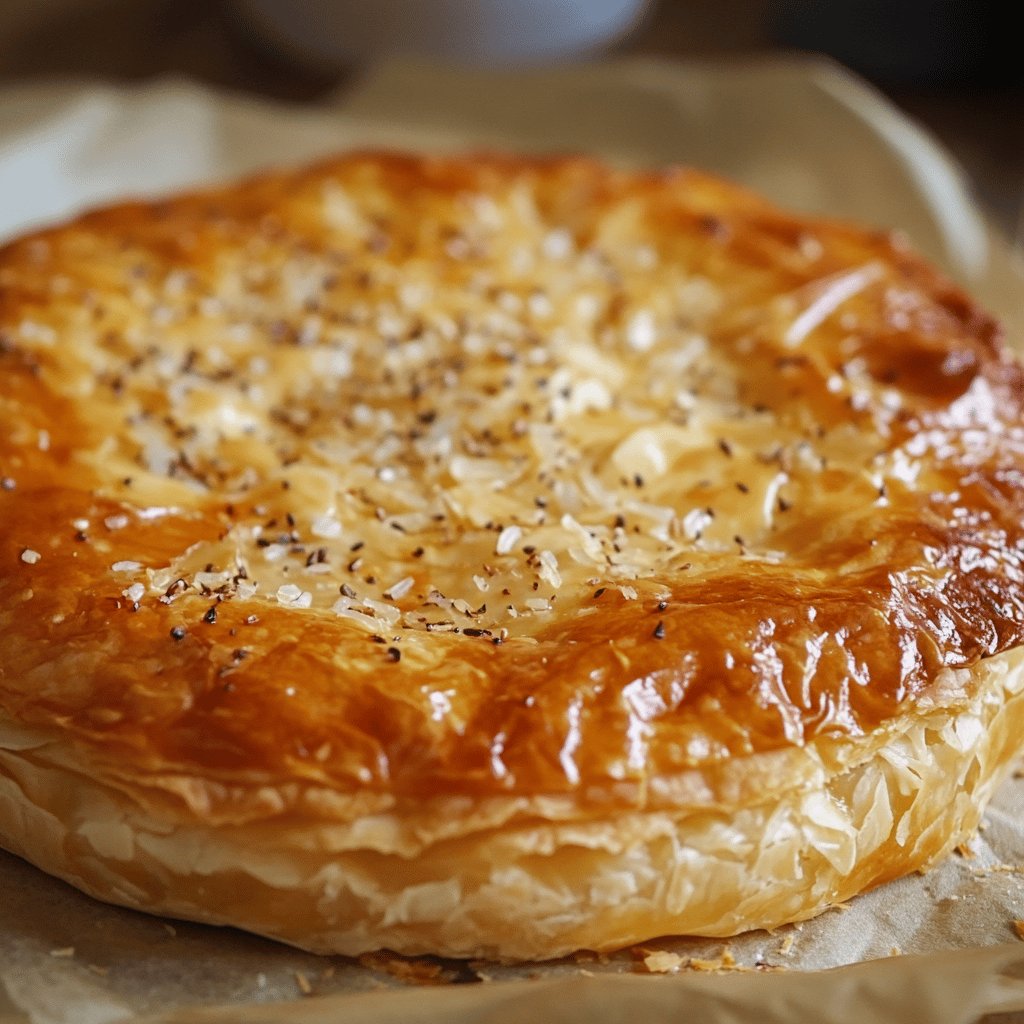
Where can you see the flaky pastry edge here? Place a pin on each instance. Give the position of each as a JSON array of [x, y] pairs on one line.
[[536, 878]]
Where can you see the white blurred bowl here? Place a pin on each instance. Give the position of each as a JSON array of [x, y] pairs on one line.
[[336, 33]]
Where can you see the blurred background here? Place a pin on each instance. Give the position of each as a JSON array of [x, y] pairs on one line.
[[949, 64]]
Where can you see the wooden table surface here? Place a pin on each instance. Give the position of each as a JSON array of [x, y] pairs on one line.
[[129, 40]]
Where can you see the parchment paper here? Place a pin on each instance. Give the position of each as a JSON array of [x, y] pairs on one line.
[[940, 947]]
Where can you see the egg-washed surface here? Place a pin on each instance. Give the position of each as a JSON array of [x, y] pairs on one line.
[[425, 477]]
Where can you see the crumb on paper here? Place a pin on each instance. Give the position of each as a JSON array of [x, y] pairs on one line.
[[725, 961], [965, 851], [661, 961], [101, 971], [895, 951], [786, 946], [998, 869], [1018, 927], [411, 970], [170, 929], [303, 982], [65, 952]]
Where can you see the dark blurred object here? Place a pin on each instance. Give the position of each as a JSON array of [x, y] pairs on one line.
[[339, 33], [948, 64], [905, 42], [123, 40]]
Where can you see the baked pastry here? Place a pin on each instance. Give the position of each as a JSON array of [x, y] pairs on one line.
[[491, 556]]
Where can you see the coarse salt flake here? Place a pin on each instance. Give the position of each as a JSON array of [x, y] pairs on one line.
[[640, 331], [507, 539], [548, 570], [118, 522], [399, 589], [326, 526], [126, 566], [30, 557], [557, 244], [293, 596], [135, 592]]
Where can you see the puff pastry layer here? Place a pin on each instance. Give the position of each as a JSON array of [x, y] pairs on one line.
[[485, 556]]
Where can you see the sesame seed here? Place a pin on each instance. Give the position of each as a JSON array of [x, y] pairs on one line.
[[178, 633], [659, 631], [211, 614]]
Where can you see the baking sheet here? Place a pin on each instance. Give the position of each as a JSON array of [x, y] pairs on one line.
[[941, 947]]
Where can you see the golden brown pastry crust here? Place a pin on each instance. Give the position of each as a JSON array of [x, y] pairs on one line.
[[489, 484]]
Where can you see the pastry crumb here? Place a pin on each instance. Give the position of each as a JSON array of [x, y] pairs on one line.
[[725, 961], [1018, 927], [303, 982], [65, 952], [998, 869], [965, 851], [412, 970], [661, 961], [101, 971], [786, 946]]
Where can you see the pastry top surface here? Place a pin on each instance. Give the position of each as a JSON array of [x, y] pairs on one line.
[[465, 476]]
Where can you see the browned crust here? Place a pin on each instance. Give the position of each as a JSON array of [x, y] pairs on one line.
[[874, 594]]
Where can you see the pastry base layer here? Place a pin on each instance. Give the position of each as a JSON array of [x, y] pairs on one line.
[[535, 880]]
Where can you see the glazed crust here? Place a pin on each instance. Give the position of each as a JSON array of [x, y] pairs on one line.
[[400, 483]]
